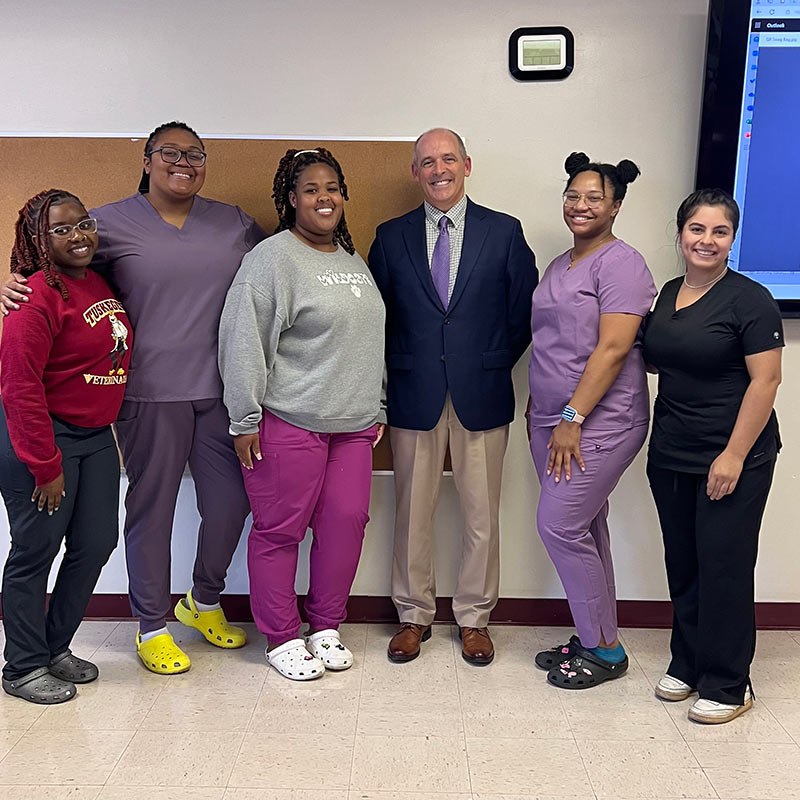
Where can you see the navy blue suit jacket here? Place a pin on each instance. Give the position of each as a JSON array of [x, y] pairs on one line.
[[469, 348]]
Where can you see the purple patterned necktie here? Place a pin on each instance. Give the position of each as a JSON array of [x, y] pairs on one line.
[[440, 262]]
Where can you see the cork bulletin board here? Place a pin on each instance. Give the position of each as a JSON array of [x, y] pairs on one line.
[[240, 171]]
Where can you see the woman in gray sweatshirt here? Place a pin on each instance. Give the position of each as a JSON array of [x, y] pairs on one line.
[[301, 356]]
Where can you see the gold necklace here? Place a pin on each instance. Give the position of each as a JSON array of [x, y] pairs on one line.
[[572, 258]]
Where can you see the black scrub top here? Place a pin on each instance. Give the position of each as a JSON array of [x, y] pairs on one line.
[[699, 352]]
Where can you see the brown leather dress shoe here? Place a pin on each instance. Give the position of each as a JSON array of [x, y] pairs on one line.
[[476, 646], [404, 645]]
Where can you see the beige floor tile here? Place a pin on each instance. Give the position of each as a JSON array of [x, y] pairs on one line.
[[100, 706], [123, 635], [481, 796], [552, 635], [285, 794], [49, 792], [774, 678], [282, 708], [513, 713], [516, 766], [121, 666], [752, 771], [757, 725], [508, 671], [18, 714], [786, 711], [293, 761], [8, 738], [434, 669], [160, 793], [778, 645], [594, 717], [392, 713], [79, 757], [184, 758], [649, 647], [190, 709], [373, 795], [91, 635], [644, 769], [410, 764]]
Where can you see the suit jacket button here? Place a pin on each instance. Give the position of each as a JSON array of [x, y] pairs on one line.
[[447, 321], [443, 357]]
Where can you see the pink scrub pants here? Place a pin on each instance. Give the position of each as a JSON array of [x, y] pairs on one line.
[[305, 479], [572, 519]]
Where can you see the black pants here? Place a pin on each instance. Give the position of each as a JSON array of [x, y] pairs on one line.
[[710, 549], [88, 523]]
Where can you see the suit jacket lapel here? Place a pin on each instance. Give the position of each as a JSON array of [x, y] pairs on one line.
[[417, 246], [475, 231]]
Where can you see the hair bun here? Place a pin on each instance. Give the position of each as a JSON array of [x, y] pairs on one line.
[[627, 171], [574, 162]]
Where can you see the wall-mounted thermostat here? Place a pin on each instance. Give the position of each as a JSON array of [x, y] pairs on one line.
[[541, 54]]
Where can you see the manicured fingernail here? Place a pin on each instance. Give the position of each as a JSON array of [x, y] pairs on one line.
[[49, 513], [258, 456]]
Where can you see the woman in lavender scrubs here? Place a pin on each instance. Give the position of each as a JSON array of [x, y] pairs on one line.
[[589, 409], [170, 255]]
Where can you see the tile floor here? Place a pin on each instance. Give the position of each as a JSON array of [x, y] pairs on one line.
[[434, 729]]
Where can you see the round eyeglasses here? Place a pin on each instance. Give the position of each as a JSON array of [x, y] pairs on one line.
[[592, 199], [172, 155], [66, 231]]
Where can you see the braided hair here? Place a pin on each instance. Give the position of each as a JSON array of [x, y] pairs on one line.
[[144, 183], [31, 251], [618, 176], [285, 181]]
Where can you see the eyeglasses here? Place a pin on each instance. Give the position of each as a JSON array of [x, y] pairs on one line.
[[67, 231], [172, 155], [592, 199]]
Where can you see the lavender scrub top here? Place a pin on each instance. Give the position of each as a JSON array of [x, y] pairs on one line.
[[565, 321], [173, 285]]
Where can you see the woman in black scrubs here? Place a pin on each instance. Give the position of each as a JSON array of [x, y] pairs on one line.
[[715, 339]]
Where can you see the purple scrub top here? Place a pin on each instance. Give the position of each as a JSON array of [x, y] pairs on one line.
[[565, 321], [173, 284]]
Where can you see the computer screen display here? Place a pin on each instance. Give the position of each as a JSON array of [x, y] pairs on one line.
[[750, 141]]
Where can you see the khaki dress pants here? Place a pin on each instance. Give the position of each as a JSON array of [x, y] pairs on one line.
[[477, 458]]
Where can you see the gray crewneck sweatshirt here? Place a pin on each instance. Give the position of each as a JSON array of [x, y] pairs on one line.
[[302, 335]]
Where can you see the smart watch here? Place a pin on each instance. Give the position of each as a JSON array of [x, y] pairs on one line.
[[571, 415]]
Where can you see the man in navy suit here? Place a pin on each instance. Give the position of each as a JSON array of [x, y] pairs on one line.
[[457, 281]]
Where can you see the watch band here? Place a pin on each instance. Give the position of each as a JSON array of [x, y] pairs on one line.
[[571, 415]]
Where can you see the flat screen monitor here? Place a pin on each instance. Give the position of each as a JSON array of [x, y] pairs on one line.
[[750, 135]]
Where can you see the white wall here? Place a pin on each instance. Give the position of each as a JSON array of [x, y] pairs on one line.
[[358, 68]]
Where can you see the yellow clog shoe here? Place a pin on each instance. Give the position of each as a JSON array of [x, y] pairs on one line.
[[161, 655], [212, 624]]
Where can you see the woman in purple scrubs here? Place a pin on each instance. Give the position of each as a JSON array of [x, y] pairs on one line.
[[170, 255], [589, 409]]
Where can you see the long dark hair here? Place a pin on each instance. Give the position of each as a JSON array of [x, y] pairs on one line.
[[31, 250], [285, 181]]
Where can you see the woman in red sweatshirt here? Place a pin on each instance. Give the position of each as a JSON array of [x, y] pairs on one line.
[[63, 368]]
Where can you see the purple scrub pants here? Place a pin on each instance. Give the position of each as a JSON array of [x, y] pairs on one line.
[[157, 441], [305, 479], [572, 519]]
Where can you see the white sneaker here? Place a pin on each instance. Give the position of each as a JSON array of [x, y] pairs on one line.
[[294, 662], [326, 646], [669, 688], [713, 713]]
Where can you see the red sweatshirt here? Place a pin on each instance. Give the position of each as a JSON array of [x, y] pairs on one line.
[[65, 358]]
